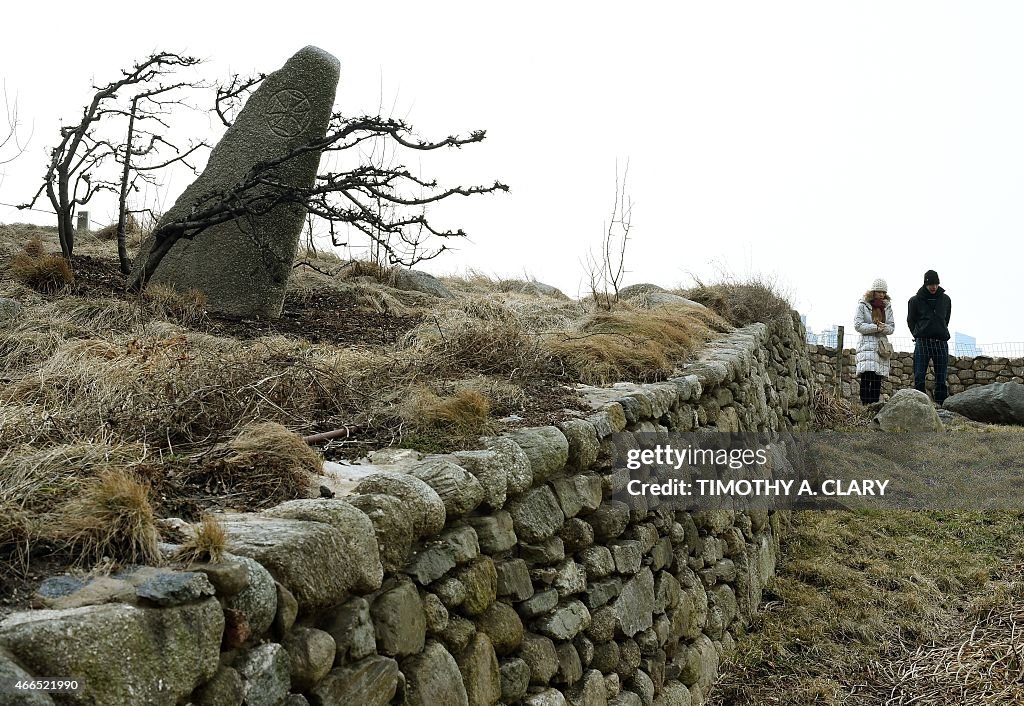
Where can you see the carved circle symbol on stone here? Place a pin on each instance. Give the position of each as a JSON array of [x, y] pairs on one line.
[[288, 114]]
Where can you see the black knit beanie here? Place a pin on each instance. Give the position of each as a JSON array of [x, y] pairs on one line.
[[931, 277]]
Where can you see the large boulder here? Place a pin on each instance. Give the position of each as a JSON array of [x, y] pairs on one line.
[[243, 265], [416, 281], [652, 295], [310, 559], [998, 403], [356, 528], [422, 503], [122, 654], [908, 410]]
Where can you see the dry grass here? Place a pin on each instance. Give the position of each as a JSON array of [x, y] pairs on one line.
[[630, 345], [106, 378], [980, 661], [207, 543], [133, 231], [835, 413], [467, 412], [188, 388], [188, 307], [39, 489], [112, 518], [44, 272], [481, 337], [858, 591], [264, 465], [742, 301]]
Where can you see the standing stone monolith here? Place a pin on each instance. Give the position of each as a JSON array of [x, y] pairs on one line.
[[243, 265]]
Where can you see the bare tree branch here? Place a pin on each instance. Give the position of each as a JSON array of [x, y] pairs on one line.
[[11, 146], [71, 178], [354, 197], [229, 98]]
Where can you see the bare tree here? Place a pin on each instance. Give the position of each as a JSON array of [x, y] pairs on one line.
[[11, 145], [607, 267], [347, 197], [142, 96]]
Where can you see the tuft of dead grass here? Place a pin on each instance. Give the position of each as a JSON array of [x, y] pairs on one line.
[[742, 301], [834, 413], [133, 230], [190, 388], [467, 412], [503, 396], [112, 518], [264, 465], [207, 543], [44, 272], [631, 345], [188, 307], [480, 337]]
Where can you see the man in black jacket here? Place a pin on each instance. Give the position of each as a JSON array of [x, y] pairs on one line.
[[928, 319]]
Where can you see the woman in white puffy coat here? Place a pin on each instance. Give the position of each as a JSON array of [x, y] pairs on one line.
[[873, 321]]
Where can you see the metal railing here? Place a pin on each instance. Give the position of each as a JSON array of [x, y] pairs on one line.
[[1014, 349]]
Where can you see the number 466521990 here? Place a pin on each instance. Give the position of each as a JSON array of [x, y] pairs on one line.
[[58, 685]]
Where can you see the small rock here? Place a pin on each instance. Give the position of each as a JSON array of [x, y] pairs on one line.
[[996, 403], [228, 577], [480, 672], [311, 653], [514, 580], [433, 678], [437, 614], [540, 603], [353, 631], [265, 674], [548, 697], [287, 610], [258, 600], [546, 447], [503, 626], [399, 621], [226, 688], [481, 581], [171, 588], [539, 654], [536, 515], [415, 281], [565, 622], [515, 679], [908, 411], [372, 681], [495, 532], [458, 633]]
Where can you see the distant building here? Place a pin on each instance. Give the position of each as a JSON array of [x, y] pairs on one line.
[[829, 337], [965, 345]]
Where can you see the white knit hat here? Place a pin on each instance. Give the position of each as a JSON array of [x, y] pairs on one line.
[[879, 285]]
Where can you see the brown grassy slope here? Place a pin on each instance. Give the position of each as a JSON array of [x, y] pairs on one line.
[[98, 383]]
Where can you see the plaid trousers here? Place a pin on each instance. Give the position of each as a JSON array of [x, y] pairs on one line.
[[936, 351]]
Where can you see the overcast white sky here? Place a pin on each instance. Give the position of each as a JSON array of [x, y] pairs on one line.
[[822, 143]]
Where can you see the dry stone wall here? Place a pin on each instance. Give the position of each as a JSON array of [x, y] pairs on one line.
[[506, 575], [964, 372]]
